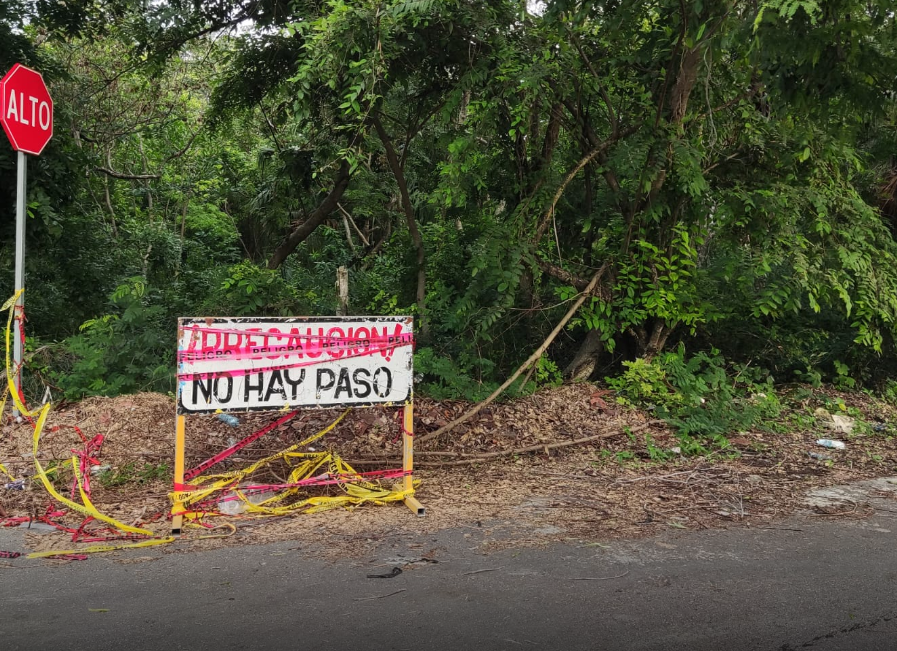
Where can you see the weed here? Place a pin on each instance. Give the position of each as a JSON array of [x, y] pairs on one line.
[[655, 453], [842, 379], [889, 393], [57, 472], [803, 421], [131, 473], [548, 373], [699, 396]]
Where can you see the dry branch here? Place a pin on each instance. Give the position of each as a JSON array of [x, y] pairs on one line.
[[127, 177], [487, 456], [301, 231], [532, 360]]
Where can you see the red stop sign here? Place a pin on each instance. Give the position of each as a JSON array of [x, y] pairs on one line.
[[26, 109]]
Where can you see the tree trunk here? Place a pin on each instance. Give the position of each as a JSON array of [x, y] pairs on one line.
[[408, 209], [342, 289], [649, 345], [301, 232], [586, 360]]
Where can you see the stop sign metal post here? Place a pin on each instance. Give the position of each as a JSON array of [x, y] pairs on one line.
[[26, 113]]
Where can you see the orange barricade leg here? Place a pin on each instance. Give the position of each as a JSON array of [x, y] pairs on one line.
[[408, 458], [177, 520]]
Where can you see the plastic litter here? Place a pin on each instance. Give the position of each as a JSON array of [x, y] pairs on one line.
[[233, 421], [842, 424], [232, 507], [98, 470], [821, 457], [17, 485], [829, 443], [231, 504]]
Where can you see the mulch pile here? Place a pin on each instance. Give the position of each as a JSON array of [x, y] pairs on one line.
[[609, 487]]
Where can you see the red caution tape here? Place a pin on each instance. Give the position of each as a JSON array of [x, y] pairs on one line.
[[236, 447]]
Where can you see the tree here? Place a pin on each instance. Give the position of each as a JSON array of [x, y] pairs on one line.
[[477, 163]]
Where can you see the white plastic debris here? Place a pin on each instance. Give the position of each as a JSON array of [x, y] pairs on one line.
[[842, 424], [231, 504]]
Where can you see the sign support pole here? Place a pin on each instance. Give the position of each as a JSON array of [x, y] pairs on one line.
[[177, 510], [408, 458], [21, 185]]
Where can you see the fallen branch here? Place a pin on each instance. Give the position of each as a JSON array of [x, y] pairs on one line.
[[488, 569], [537, 448], [382, 596], [461, 459], [598, 578], [586, 293]]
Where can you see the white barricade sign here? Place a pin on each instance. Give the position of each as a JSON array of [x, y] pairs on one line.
[[239, 364]]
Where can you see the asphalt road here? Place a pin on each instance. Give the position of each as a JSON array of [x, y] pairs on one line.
[[804, 584]]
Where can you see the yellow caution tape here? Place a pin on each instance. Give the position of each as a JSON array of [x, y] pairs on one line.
[[10, 373], [225, 480], [357, 491], [87, 508], [95, 549]]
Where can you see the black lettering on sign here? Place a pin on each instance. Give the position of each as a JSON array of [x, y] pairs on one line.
[[382, 375], [319, 384], [228, 383], [343, 385], [203, 386], [250, 386], [360, 377], [294, 384], [276, 386]]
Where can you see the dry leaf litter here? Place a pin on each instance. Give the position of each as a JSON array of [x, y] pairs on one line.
[[608, 488]]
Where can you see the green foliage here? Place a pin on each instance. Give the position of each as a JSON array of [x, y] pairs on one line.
[[447, 379], [248, 289], [547, 373], [730, 165], [644, 382], [889, 393], [703, 397], [843, 379], [127, 350]]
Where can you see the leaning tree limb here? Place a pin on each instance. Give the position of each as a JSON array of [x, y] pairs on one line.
[[586, 293], [126, 177], [585, 160], [301, 231]]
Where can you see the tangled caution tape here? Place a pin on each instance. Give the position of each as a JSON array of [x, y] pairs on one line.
[[313, 481], [210, 494], [38, 420]]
